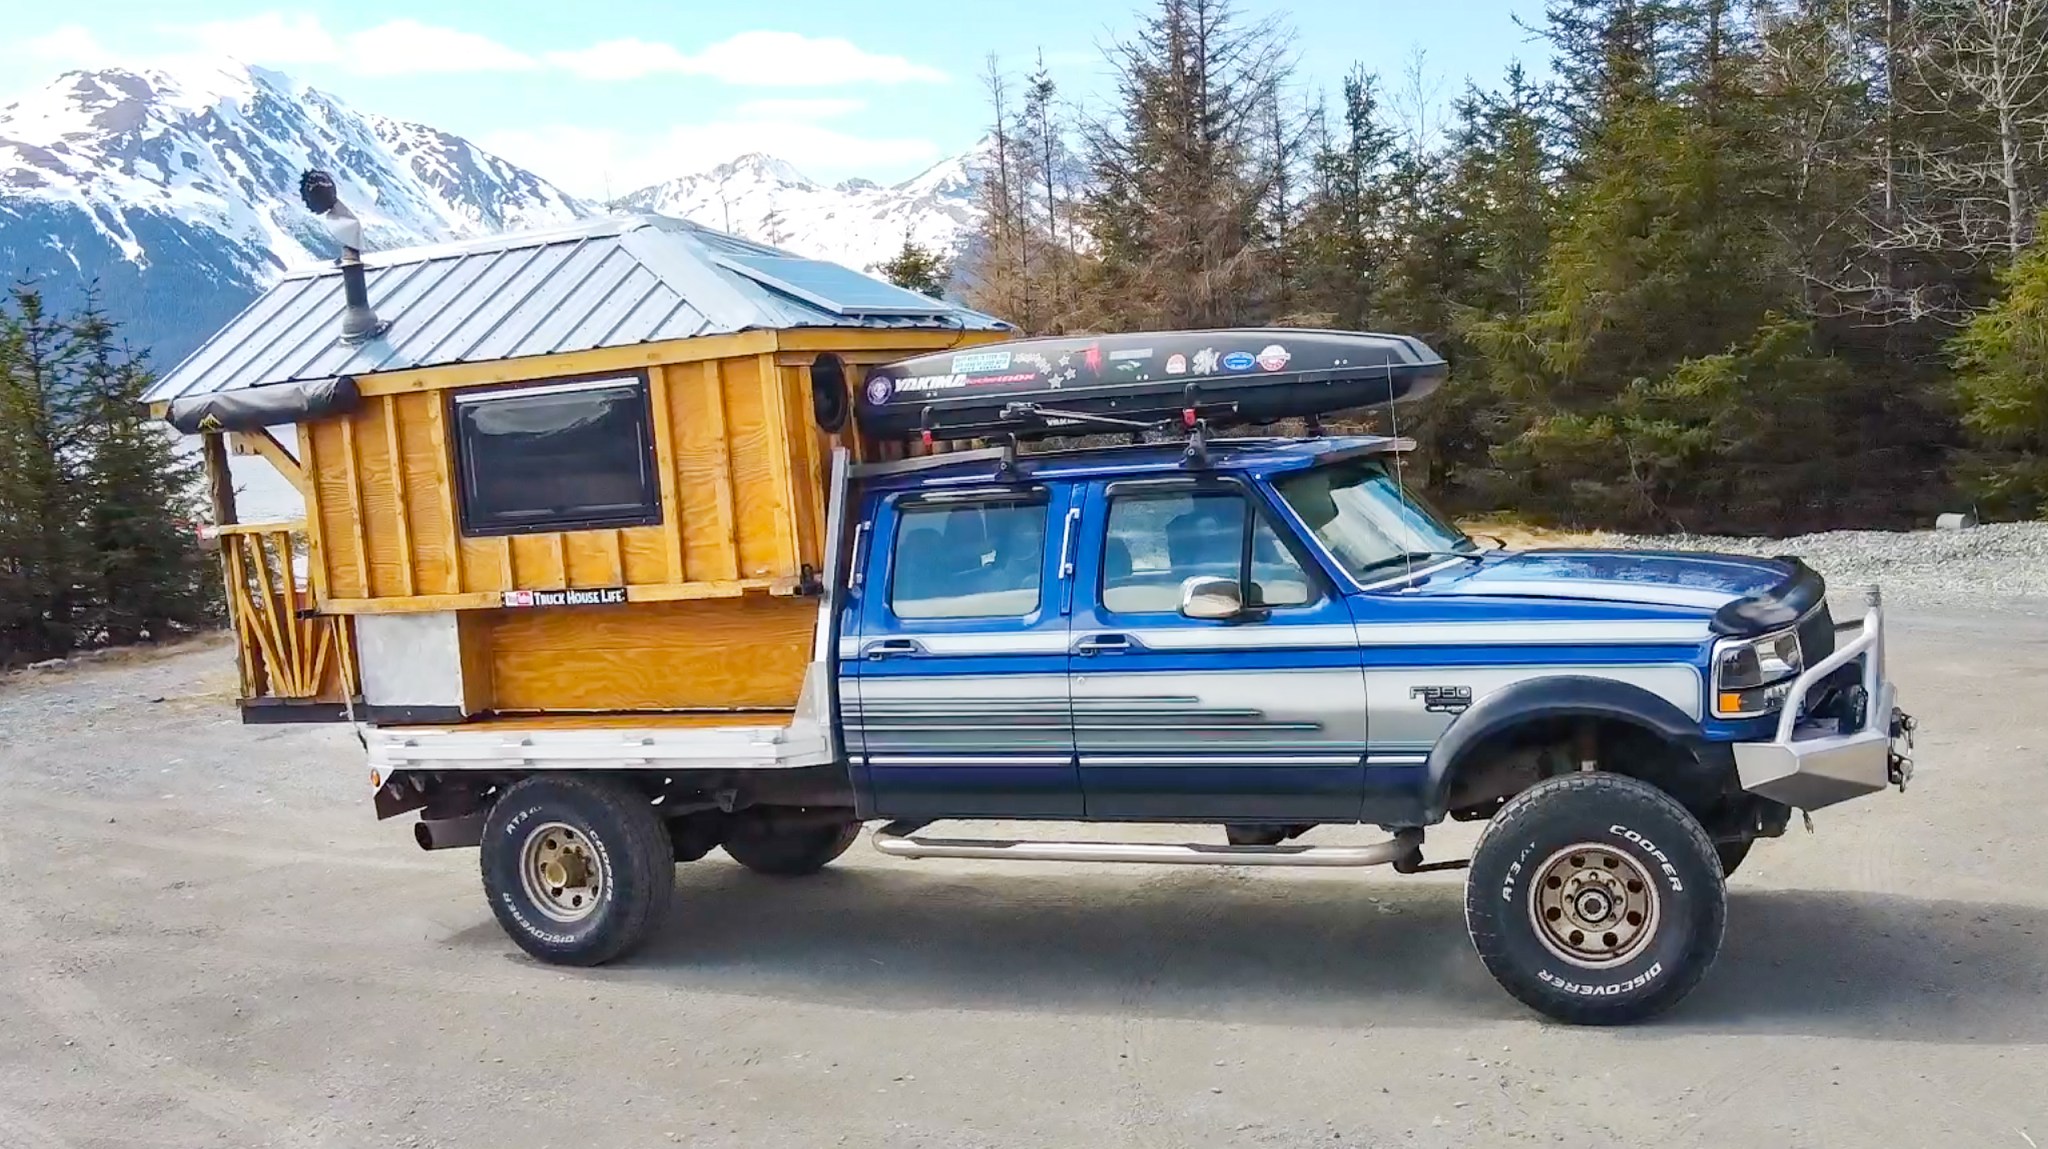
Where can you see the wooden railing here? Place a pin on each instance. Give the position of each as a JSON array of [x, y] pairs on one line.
[[287, 652]]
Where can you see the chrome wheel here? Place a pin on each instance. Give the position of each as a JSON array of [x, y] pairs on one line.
[[563, 874], [1594, 906]]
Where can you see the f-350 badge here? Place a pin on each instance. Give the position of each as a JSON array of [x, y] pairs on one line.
[[1443, 699]]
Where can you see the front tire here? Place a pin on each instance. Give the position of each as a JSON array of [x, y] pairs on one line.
[[577, 870], [1595, 899], [786, 847]]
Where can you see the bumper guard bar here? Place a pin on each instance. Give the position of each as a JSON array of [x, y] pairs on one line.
[[1811, 764]]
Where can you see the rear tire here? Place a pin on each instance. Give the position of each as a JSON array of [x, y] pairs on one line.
[[577, 870], [783, 848], [1595, 899]]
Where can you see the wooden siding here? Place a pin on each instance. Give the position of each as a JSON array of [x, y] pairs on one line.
[[741, 471], [711, 621], [652, 656]]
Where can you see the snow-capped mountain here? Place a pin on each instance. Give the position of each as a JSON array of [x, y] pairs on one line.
[[856, 222], [177, 193]]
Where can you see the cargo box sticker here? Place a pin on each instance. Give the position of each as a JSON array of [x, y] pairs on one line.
[[1176, 365], [981, 362], [589, 596], [1205, 361], [1238, 361], [1273, 358], [879, 390]]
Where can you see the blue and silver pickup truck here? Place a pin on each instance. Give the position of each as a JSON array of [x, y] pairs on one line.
[[1254, 637]]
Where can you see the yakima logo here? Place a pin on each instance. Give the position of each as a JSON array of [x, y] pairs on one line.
[[925, 383]]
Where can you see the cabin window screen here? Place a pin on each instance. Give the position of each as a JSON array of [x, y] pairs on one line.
[[560, 457]]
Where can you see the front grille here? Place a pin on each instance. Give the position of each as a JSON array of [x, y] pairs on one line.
[[1817, 635]]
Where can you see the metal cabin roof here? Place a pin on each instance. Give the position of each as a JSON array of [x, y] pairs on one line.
[[613, 282]]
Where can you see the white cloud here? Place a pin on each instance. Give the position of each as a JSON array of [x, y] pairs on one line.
[[67, 46], [603, 162], [754, 59], [822, 108], [267, 38], [394, 48], [404, 46]]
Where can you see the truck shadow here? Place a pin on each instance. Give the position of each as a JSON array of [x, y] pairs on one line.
[[1318, 950]]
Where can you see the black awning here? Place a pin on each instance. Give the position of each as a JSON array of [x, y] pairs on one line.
[[253, 407]]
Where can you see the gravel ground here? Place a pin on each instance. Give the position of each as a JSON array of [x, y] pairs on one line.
[[208, 941], [1997, 560]]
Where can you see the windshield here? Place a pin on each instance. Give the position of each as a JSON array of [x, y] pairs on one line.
[[1367, 521]]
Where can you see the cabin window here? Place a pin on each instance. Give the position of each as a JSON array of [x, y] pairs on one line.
[[968, 560], [562, 457]]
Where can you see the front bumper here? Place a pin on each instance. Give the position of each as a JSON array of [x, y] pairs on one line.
[[1810, 764]]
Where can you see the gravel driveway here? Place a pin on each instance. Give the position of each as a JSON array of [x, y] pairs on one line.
[[207, 940]]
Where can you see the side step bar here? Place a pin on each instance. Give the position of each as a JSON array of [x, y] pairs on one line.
[[899, 840]]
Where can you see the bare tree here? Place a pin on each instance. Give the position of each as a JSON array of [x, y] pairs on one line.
[[1980, 80]]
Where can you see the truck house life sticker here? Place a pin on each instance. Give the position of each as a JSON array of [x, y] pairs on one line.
[[590, 596]]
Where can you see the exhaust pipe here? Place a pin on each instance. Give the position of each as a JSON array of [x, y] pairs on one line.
[[358, 323], [448, 833]]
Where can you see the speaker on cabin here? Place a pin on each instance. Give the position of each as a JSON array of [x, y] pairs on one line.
[[829, 405]]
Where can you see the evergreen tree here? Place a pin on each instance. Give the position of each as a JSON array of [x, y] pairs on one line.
[[2003, 359], [43, 566], [147, 573], [1178, 174], [916, 268], [1341, 241]]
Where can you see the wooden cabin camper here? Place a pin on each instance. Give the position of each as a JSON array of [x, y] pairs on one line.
[[632, 416]]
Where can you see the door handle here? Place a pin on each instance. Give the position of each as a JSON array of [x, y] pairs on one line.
[[1105, 644], [889, 648]]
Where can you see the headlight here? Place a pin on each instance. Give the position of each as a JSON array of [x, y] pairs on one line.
[[1752, 675]]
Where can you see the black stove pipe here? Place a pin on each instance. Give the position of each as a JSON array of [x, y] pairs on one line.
[[358, 322]]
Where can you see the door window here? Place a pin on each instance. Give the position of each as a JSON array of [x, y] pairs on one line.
[[1154, 543], [968, 560]]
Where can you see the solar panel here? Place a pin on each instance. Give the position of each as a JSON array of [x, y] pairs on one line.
[[839, 290]]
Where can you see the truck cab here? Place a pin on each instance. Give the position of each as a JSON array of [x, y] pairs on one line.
[[1285, 637]]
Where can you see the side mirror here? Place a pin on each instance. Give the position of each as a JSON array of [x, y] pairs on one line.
[[1210, 598]]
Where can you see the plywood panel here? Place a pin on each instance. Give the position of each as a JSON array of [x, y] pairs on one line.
[[537, 559], [734, 653], [429, 495], [703, 472], [332, 479], [806, 466], [759, 459], [593, 558], [646, 555], [377, 491]]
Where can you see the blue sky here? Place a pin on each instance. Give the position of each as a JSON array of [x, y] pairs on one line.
[[608, 95]]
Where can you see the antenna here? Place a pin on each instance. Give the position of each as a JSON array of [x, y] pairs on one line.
[[1400, 487]]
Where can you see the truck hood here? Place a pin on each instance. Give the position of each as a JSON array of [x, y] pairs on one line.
[[1661, 578]]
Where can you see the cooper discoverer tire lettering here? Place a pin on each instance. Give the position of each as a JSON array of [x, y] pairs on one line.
[[578, 870], [1596, 899]]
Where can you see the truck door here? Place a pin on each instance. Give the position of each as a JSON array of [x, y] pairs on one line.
[[1256, 718], [961, 656]]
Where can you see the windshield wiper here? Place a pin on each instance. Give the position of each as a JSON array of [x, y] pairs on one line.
[[1475, 554]]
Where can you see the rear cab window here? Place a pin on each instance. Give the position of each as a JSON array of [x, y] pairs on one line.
[[980, 558]]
